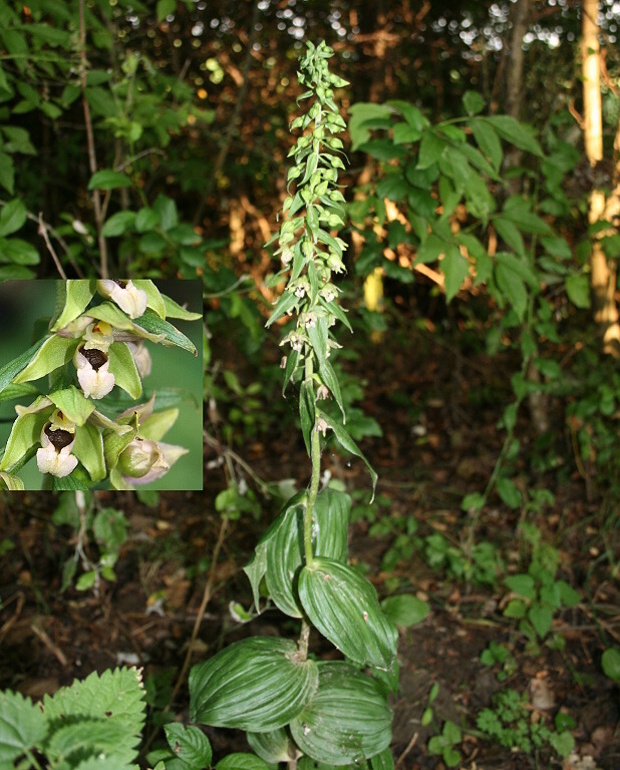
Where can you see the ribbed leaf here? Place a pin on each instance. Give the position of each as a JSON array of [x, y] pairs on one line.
[[347, 720], [73, 300], [258, 684], [343, 605], [274, 746], [284, 548]]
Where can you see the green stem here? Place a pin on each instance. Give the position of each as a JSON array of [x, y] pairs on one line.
[[315, 457]]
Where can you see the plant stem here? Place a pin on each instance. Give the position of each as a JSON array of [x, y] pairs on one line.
[[304, 637], [315, 457]]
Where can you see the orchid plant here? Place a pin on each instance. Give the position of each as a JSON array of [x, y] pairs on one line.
[[94, 348]]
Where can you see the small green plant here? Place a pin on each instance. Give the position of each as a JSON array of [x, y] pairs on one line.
[[94, 723], [79, 427], [513, 725], [446, 742], [497, 654], [536, 595]]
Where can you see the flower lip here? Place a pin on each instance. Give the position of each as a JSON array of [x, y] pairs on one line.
[[59, 438], [95, 357]]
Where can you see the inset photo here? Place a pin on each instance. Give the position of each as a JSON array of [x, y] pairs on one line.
[[101, 385]]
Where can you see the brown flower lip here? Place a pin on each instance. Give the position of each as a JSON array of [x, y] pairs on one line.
[[96, 358], [59, 438]]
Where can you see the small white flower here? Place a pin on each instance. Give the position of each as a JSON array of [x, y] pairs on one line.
[[93, 372], [98, 335], [142, 457], [128, 297], [55, 456], [321, 426], [322, 392]]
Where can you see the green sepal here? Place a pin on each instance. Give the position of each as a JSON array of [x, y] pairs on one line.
[[167, 334], [73, 404], [73, 299], [114, 443], [88, 449], [25, 434], [343, 605], [124, 369], [157, 424], [113, 315], [258, 684], [348, 719], [54, 352]]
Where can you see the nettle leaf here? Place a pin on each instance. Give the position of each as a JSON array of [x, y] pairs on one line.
[[343, 605], [258, 684], [73, 300], [189, 744], [347, 720], [110, 710], [22, 726]]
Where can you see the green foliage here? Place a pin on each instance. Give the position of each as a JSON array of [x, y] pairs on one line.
[[499, 654], [509, 723], [94, 723], [445, 744]]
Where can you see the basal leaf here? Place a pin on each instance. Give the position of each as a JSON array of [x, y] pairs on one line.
[[347, 720], [258, 684], [274, 746], [189, 744]]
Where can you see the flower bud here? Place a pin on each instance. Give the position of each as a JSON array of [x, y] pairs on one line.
[[55, 456], [142, 456]]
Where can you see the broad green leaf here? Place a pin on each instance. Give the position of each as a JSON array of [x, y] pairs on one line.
[[118, 224], [242, 761], [568, 596], [432, 148], [512, 287], [166, 8], [273, 747], [509, 493], [7, 173], [18, 251], [523, 585], [487, 141], [22, 726], [258, 684], [578, 290], [430, 249], [88, 449], [73, 404], [455, 268], [347, 720], [364, 117], [189, 744], [610, 661], [343, 605], [404, 133], [556, 247], [157, 424], [473, 102], [284, 547], [511, 234], [410, 113], [541, 617], [514, 132], [124, 369], [73, 299], [146, 220], [9, 371], [12, 217], [107, 179], [166, 208], [54, 352], [405, 610]]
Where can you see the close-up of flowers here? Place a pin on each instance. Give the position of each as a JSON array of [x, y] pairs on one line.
[[86, 428]]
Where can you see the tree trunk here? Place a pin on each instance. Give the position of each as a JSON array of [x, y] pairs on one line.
[[603, 272]]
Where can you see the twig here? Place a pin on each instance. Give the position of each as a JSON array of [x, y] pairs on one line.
[[58, 653], [6, 627], [90, 138], [229, 453], [50, 248], [410, 745]]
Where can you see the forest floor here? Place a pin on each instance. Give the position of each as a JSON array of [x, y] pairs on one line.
[[438, 410]]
